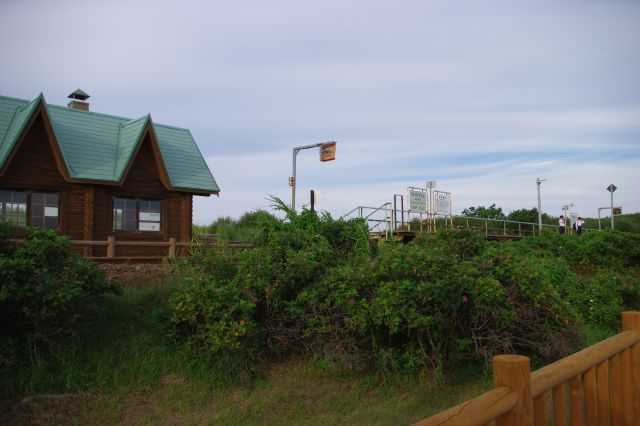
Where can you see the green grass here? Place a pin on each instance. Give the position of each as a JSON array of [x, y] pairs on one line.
[[293, 392], [123, 370]]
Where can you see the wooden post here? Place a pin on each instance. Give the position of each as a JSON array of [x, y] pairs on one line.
[[575, 401], [590, 397], [602, 393], [631, 322], [172, 247], [615, 391], [111, 246], [87, 229], [559, 404], [514, 372], [540, 410]]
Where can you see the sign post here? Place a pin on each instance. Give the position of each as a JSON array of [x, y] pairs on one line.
[[611, 188], [431, 184], [417, 203]]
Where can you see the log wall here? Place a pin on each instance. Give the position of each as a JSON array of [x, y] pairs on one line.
[[86, 209]]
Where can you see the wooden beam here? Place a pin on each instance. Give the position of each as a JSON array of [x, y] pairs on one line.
[[87, 230]]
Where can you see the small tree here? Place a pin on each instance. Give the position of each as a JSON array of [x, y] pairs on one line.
[[491, 212], [527, 215]]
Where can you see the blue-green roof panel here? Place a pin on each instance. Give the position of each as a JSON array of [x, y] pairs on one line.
[[11, 130], [183, 160], [99, 146]]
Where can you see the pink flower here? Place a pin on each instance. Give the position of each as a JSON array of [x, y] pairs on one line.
[[509, 298], [465, 298], [254, 299]]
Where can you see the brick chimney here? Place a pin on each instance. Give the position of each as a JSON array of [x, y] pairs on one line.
[[78, 100]]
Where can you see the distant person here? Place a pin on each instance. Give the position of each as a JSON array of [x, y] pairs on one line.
[[561, 225], [578, 225]]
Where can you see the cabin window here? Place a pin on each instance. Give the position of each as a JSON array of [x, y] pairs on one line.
[[136, 215], [29, 208]]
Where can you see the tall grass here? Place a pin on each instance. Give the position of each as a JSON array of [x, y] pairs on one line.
[[124, 369], [126, 347]]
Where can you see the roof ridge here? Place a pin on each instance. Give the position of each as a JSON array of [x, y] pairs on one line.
[[11, 98], [64, 108], [168, 126]]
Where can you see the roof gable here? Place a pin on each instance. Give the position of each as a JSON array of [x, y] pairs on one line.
[[100, 147], [129, 138], [13, 119]]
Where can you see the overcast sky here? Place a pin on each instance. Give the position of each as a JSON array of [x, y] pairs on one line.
[[480, 96]]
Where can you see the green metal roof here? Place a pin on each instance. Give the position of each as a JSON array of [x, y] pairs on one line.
[[99, 147]]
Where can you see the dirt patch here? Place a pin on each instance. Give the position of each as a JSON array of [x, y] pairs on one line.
[[138, 275]]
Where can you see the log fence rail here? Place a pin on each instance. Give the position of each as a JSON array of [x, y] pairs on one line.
[[599, 385]]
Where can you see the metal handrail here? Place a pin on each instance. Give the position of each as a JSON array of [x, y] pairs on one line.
[[492, 227]]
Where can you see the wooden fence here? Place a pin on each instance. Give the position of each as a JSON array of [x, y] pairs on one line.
[[171, 245], [599, 386]]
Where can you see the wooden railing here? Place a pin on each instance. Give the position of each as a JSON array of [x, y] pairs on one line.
[[112, 243], [171, 245], [603, 383]]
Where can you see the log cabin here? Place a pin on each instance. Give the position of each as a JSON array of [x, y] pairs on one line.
[[91, 176]]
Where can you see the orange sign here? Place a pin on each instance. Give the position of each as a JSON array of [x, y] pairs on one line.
[[328, 151]]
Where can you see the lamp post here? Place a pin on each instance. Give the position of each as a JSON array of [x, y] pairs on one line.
[[327, 153], [538, 182]]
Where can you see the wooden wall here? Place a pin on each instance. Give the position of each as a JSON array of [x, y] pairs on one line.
[[86, 209]]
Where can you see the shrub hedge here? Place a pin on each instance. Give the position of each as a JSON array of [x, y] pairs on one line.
[[47, 293], [314, 285]]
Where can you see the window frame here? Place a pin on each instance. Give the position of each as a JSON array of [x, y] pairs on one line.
[[137, 230], [29, 211]]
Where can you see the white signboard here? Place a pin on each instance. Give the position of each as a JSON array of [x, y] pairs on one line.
[[442, 203], [149, 226], [417, 201], [51, 211], [151, 217]]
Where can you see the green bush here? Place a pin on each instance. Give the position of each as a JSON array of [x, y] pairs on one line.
[[438, 302], [216, 316], [47, 293]]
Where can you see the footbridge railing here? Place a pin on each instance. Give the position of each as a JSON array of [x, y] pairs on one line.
[[386, 218]]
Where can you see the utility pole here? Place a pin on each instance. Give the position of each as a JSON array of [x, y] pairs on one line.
[[538, 182]]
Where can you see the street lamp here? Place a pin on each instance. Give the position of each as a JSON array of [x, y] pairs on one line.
[[327, 153], [538, 182]]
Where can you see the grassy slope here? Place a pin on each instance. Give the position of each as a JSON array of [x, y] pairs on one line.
[[125, 373]]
